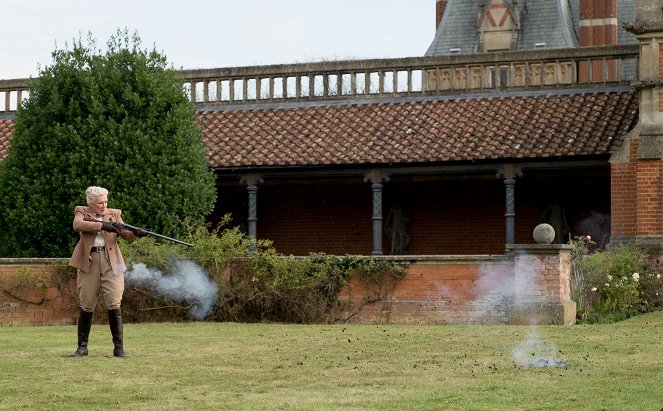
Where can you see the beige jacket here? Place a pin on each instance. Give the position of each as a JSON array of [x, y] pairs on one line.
[[88, 231]]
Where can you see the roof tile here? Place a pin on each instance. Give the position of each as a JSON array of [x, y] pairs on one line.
[[6, 131], [493, 128]]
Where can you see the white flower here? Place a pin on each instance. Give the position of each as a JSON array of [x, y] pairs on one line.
[[609, 278], [636, 276], [607, 285], [593, 289], [658, 276], [589, 237]]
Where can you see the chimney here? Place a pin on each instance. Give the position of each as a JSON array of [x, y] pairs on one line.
[[598, 27], [440, 6], [598, 22]]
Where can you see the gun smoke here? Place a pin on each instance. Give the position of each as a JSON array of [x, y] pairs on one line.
[[497, 291], [187, 283], [597, 225], [533, 352]]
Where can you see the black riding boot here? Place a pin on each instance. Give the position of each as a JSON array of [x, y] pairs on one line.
[[84, 325], [115, 323]]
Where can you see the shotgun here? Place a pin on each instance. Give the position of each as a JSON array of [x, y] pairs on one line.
[[134, 229]]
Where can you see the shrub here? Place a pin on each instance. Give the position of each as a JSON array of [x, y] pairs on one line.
[[613, 284], [254, 286]]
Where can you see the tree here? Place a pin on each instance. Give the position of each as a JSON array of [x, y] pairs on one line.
[[118, 119]]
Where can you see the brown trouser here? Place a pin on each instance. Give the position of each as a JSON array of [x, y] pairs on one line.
[[99, 280]]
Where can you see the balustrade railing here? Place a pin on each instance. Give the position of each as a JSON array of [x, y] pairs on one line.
[[12, 93], [382, 78]]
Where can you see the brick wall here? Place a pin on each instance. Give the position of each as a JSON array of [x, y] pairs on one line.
[[637, 196], [623, 195], [331, 216], [530, 285], [649, 193], [34, 305], [440, 6], [598, 27]]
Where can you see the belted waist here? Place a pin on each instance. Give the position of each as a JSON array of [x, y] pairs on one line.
[[97, 249]]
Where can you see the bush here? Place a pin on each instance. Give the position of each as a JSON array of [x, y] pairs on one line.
[[613, 284], [254, 286], [120, 120]]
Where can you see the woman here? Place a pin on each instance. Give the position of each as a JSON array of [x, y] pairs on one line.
[[100, 266]]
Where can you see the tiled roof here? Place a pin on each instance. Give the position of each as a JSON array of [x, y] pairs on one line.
[[6, 131], [469, 129], [517, 127]]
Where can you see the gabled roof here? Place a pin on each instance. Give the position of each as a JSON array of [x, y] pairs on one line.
[[433, 131], [411, 132]]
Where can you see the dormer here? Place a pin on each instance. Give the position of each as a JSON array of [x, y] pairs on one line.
[[498, 24]]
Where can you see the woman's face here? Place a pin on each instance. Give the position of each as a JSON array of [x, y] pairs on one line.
[[99, 205]]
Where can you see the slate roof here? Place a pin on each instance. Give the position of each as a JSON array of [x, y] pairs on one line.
[[554, 22], [547, 21], [414, 132]]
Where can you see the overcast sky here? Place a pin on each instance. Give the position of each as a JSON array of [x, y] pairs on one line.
[[218, 33]]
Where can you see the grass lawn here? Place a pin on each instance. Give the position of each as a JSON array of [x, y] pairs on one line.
[[204, 366]]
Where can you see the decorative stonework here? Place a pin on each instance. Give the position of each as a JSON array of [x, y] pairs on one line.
[[645, 84], [544, 234], [498, 26]]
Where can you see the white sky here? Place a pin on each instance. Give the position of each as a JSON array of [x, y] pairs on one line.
[[218, 33]]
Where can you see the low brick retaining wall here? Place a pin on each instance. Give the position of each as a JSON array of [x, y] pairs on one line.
[[29, 301], [528, 284]]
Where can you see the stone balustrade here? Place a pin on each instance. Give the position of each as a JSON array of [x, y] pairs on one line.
[[12, 93], [402, 77]]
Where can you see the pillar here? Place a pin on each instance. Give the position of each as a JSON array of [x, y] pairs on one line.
[[376, 177], [542, 285], [252, 181], [637, 168], [510, 213], [377, 218]]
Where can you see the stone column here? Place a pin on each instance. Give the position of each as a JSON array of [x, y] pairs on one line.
[[252, 181], [252, 218], [377, 218], [510, 213], [510, 173], [376, 177]]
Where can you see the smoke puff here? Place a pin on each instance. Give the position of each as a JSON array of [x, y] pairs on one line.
[[492, 286], [495, 284], [597, 225], [188, 282], [534, 352]]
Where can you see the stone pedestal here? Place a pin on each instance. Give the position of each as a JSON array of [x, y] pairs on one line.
[[542, 284]]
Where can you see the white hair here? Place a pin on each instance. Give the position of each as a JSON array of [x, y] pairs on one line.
[[92, 192]]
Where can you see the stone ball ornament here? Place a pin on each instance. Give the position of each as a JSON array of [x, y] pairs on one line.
[[544, 234]]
